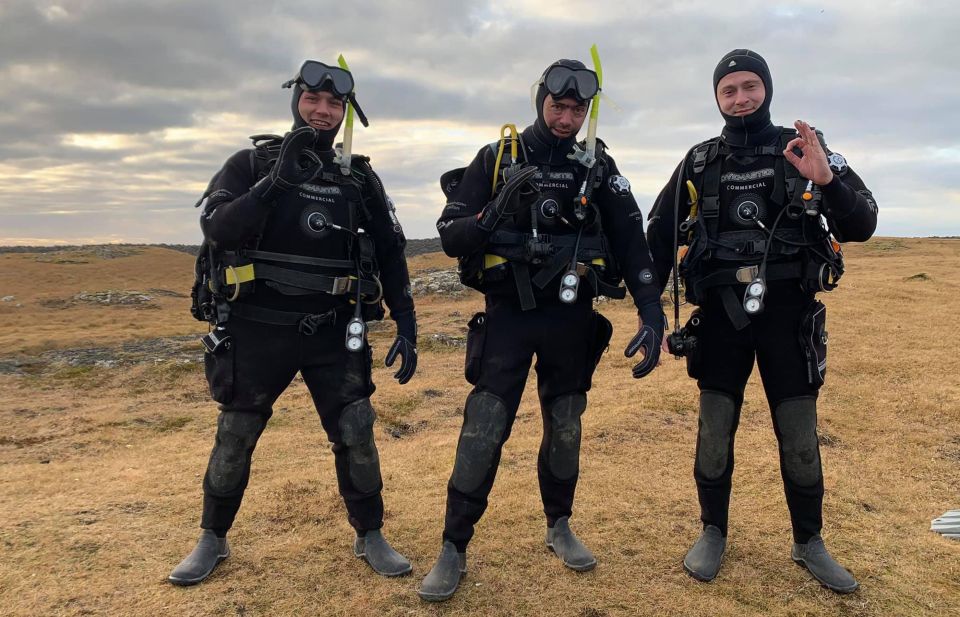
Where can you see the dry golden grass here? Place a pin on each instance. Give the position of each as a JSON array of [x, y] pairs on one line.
[[101, 468]]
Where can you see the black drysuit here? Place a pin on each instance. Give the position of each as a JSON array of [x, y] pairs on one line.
[[567, 339], [263, 358], [751, 186]]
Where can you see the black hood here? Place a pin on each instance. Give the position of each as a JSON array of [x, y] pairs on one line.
[[756, 128], [539, 129], [325, 138]]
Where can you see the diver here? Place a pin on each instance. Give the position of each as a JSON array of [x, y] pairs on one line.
[[541, 224], [762, 210], [300, 244]]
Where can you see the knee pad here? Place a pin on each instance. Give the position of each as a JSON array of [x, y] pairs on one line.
[[717, 413], [797, 424], [485, 422], [237, 435], [356, 433], [563, 455]]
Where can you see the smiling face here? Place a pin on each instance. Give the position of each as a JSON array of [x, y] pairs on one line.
[[740, 93], [321, 110], [564, 117]]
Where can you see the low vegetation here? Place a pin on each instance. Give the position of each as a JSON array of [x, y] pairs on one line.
[[107, 427]]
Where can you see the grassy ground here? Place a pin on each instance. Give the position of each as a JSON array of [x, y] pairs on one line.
[[100, 467]]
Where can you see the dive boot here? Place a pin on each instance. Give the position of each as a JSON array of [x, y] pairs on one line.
[[568, 547], [703, 560], [377, 552], [209, 551], [442, 581], [814, 557]]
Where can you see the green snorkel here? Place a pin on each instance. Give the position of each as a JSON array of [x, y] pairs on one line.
[[587, 157], [595, 107], [343, 157]]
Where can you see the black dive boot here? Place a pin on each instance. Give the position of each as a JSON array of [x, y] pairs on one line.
[[443, 579], [703, 560], [198, 565], [568, 547], [814, 557], [377, 552]]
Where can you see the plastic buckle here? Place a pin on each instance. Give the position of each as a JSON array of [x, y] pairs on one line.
[[583, 157], [711, 206], [341, 285], [747, 273], [699, 160]]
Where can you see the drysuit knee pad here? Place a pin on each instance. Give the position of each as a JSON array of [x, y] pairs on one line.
[[237, 435], [797, 424], [717, 413], [356, 433], [563, 456], [485, 422]]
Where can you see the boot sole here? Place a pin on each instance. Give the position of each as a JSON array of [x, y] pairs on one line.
[[696, 575], [188, 582], [833, 588], [363, 556], [440, 597], [583, 568], [436, 597]]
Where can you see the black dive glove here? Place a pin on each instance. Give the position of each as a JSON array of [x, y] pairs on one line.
[[516, 192], [405, 346], [648, 338], [296, 164]]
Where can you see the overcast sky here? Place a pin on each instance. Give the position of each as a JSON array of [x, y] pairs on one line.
[[115, 113]]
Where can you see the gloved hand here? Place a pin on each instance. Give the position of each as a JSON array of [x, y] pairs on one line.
[[405, 346], [516, 191], [648, 337], [296, 164]]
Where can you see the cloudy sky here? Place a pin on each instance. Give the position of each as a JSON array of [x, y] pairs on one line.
[[115, 113]]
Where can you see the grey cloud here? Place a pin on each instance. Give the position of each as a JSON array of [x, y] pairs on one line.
[[878, 79]]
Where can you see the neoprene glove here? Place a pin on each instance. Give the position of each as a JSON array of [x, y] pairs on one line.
[[516, 191], [296, 164], [405, 346], [648, 338]]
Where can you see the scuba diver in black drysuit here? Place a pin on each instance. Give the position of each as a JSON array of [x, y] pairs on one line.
[[752, 214], [301, 242], [540, 234]]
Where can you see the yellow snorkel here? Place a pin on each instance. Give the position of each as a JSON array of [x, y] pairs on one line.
[[595, 107], [343, 157]]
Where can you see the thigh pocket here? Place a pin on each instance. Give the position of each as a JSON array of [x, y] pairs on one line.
[[813, 342], [219, 366], [693, 331], [476, 338], [601, 332]]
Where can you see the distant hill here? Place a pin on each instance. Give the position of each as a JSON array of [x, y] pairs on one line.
[[414, 247]]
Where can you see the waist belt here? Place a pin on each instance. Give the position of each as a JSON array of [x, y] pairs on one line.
[[320, 283], [306, 323], [518, 242], [745, 274], [733, 276], [343, 264]]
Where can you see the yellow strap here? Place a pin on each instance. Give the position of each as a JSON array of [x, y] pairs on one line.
[[514, 138], [238, 275], [692, 190], [491, 261]]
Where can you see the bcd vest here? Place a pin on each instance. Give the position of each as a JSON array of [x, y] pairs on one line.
[[298, 252], [537, 244], [802, 251]]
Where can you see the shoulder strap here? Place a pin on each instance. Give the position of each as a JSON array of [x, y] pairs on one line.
[[266, 149], [785, 175], [706, 170]]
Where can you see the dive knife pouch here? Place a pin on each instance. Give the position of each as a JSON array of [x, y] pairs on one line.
[[476, 336], [219, 365], [813, 342]]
